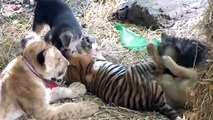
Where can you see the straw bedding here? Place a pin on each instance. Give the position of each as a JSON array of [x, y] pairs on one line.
[[96, 17]]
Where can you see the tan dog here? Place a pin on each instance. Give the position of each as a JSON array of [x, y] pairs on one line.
[[177, 89], [23, 91]]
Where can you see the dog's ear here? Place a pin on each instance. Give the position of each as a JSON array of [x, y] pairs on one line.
[[49, 35], [41, 57], [66, 37]]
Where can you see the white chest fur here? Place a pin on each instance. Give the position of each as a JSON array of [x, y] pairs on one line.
[[98, 64]]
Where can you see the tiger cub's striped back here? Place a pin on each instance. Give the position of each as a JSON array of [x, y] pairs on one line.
[[129, 86]]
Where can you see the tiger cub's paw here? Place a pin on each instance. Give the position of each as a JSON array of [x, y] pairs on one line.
[[89, 108], [78, 89], [168, 62]]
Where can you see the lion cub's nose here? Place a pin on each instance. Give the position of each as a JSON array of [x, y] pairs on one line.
[[53, 79]]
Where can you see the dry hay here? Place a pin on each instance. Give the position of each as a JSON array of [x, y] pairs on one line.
[[11, 32], [203, 99], [96, 16], [208, 22]]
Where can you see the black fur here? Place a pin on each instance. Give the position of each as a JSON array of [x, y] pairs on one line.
[[189, 52], [40, 58], [59, 17]]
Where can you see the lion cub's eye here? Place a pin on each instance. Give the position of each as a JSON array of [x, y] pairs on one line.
[[59, 59]]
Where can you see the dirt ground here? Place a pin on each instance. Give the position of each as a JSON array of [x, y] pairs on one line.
[[96, 16]]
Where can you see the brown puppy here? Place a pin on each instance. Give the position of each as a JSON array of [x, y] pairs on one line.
[[23, 91], [178, 87]]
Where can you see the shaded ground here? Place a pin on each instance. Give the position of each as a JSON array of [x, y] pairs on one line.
[[96, 16]]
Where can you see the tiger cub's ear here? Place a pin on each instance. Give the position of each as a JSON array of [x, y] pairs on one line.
[[86, 61]]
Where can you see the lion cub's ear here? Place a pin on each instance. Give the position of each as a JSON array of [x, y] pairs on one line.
[[41, 58], [49, 36], [29, 38]]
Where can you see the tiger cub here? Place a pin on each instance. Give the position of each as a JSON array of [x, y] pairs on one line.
[[128, 86]]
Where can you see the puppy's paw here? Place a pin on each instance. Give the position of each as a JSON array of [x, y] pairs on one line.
[[151, 48], [168, 62], [78, 89]]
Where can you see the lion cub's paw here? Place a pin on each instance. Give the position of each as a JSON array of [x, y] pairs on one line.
[[168, 62], [89, 108], [78, 89]]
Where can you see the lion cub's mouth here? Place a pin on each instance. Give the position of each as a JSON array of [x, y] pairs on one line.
[[57, 81]]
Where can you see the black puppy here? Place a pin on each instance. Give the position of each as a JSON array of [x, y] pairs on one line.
[[65, 30]]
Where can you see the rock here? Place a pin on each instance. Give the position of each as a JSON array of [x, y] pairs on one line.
[[158, 13], [134, 13]]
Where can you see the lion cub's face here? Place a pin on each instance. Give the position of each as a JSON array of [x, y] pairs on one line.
[[55, 63], [46, 59]]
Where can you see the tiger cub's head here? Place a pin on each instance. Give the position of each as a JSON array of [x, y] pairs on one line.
[[46, 59], [80, 68]]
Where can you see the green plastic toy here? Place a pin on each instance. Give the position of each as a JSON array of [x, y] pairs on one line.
[[134, 41]]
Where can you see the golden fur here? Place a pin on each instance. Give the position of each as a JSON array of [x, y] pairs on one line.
[[22, 92]]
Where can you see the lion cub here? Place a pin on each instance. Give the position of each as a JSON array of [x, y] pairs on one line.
[[23, 85]]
